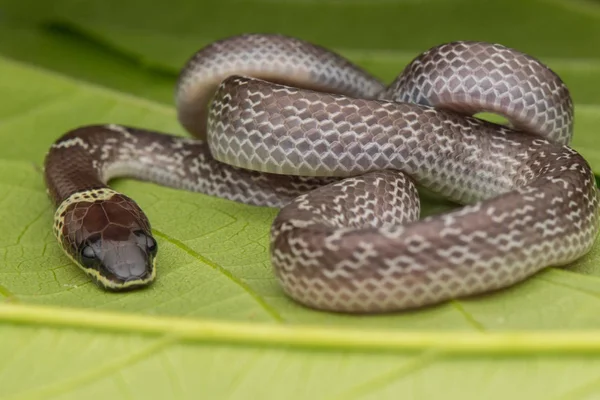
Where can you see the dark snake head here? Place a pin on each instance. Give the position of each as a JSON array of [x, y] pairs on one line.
[[110, 240]]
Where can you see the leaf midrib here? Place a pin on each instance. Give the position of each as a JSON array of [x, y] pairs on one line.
[[309, 337]]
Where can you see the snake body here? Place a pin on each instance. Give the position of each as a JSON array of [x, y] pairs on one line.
[[284, 123]]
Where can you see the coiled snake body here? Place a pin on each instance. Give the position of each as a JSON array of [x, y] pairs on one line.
[[284, 123]]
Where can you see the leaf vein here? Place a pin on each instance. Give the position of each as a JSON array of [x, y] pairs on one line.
[[173, 378], [68, 385], [571, 287], [574, 274], [533, 342], [468, 316], [264, 305], [30, 224], [412, 366]]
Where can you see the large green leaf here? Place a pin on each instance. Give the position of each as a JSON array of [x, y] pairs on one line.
[[213, 259]]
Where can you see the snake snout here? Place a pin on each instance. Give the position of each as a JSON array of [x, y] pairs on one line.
[[121, 264]]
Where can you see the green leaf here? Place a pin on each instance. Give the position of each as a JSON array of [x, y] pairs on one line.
[[215, 324], [218, 267]]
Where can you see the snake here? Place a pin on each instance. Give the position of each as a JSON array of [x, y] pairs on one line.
[[278, 121]]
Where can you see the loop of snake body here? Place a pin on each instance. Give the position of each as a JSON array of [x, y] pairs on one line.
[[281, 122]]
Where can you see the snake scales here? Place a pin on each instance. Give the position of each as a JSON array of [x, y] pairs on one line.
[[284, 123]]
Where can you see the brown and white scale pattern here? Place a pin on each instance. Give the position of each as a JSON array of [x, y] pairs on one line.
[[340, 154]]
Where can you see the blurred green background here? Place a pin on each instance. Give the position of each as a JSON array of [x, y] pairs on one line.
[[138, 46]]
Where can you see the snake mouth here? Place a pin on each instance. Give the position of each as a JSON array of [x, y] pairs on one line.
[[121, 265], [133, 283]]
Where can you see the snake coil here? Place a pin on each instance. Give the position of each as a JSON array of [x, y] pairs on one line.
[[281, 122]]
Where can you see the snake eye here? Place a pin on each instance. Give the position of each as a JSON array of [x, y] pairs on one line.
[[88, 252], [152, 246], [147, 242]]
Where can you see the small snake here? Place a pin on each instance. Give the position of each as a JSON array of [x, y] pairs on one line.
[[284, 123]]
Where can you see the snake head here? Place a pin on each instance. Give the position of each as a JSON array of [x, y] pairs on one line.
[[109, 237]]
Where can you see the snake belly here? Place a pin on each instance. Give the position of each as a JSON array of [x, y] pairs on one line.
[[281, 122]]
